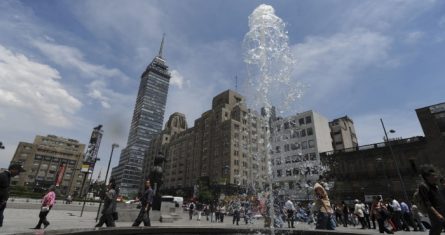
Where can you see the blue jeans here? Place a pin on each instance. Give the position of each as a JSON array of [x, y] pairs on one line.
[[324, 221]]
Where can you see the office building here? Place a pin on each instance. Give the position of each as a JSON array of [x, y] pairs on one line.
[[226, 146], [146, 123], [50, 160], [343, 133], [296, 143], [367, 170]]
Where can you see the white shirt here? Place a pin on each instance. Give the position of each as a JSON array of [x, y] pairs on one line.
[[359, 209], [395, 205], [289, 205]]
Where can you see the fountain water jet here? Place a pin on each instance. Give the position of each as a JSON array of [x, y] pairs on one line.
[[269, 66]]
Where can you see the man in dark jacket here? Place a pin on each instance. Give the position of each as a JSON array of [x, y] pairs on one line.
[[110, 196], [146, 202], [5, 181], [432, 198]]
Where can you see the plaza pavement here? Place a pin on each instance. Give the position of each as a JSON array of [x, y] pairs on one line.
[[21, 220]]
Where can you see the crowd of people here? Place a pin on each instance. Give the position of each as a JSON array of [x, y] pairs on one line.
[[387, 215]]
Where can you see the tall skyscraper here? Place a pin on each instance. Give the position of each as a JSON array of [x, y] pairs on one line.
[[146, 123]]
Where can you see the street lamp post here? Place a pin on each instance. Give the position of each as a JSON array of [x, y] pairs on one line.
[[388, 187], [395, 161], [106, 175]]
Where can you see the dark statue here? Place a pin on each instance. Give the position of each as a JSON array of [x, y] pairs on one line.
[[156, 179]]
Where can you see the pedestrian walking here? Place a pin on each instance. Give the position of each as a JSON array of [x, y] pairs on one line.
[[109, 210], [5, 182], [236, 206], [47, 203], [359, 211], [199, 209], [191, 209], [289, 210], [397, 213], [212, 212], [380, 212], [146, 203], [417, 215], [69, 199], [323, 207], [433, 199], [367, 215], [406, 217], [345, 210], [222, 212]]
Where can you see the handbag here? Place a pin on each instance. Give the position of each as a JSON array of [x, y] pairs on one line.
[[115, 216], [44, 209]]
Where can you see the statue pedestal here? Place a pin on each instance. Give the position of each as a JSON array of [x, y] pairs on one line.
[[169, 211]]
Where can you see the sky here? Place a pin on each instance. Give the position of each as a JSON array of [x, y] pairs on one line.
[[68, 66]]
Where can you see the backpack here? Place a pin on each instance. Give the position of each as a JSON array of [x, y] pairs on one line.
[[192, 206], [419, 202]]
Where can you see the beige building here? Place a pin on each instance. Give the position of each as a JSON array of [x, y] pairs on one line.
[[343, 133], [225, 146], [50, 160]]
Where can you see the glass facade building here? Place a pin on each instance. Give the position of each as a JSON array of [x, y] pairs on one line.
[[146, 123]]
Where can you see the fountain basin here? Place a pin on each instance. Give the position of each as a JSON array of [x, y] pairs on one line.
[[188, 231]]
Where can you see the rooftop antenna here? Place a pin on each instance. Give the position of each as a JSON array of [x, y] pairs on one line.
[[162, 46], [236, 82]]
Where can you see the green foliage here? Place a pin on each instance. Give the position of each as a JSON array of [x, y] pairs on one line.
[[21, 191], [206, 195]]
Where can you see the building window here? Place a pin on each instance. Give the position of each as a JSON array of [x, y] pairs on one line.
[[286, 125], [278, 161], [308, 119], [286, 148], [279, 173], [304, 145], [291, 185], [311, 143], [296, 171], [278, 149], [303, 133], [310, 131], [301, 121], [295, 134], [295, 146], [312, 156], [287, 159], [288, 172]]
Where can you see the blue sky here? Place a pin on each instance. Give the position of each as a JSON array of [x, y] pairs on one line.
[[67, 66]]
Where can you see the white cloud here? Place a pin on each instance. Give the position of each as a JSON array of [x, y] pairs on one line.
[[414, 37], [177, 79], [135, 23], [330, 63], [384, 15], [30, 87], [70, 57], [95, 92], [441, 22]]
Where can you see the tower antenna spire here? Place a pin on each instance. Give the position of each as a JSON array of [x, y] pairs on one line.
[[162, 46], [236, 82]]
